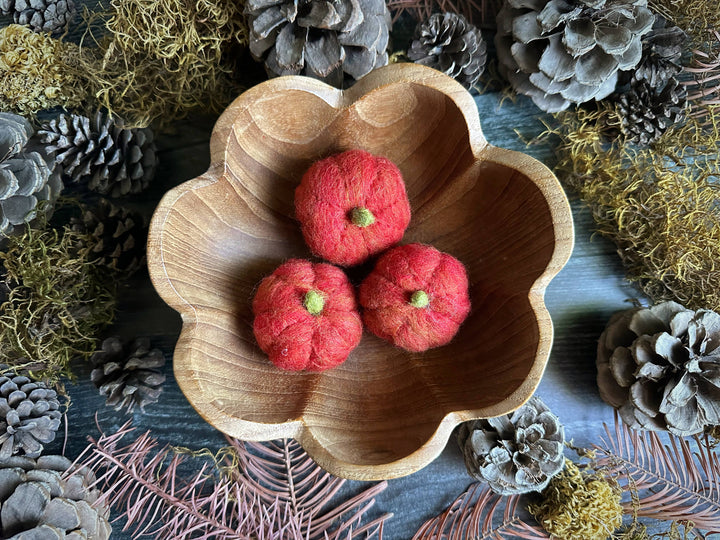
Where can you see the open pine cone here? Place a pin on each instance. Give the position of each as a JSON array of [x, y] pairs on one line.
[[40, 502], [646, 112], [29, 414], [449, 43], [319, 38], [128, 373], [660, 367], [40, 15], [27, 178], [109, 158], [560, 52], [517, 452], [661, 52], [119, 236]]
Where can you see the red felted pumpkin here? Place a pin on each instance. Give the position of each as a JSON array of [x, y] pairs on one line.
[[351, 206], [306, 316], [416, 297]]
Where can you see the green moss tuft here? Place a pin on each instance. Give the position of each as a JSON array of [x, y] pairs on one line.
[[579, 506], [660, 205], [58, 300]]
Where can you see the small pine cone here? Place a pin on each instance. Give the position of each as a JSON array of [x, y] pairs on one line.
[[40, 500], [560, 52], [128, 373], [111, 159], [660, 367], [647, 112], [29, 415], [515, 453], [449, 43], [119, 236], [27, 179], [661, 52], [40, 15]]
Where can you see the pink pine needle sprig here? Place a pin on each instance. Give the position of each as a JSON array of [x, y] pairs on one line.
[[286, 497]]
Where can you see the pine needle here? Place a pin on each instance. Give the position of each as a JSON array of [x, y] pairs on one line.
[[287, 496], [671, 482], [481, 514]]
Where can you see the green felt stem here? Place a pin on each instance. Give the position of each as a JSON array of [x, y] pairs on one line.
[[314, 302], [362, 217], [419, 299]]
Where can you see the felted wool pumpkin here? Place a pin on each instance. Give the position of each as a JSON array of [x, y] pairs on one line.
[[351, 206], [306, 316], [416, 297]]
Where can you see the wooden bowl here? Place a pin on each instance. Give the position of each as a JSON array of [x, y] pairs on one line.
[[385, 412]]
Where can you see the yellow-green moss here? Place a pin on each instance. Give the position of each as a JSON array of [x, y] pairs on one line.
[[161, 59], [578, 506], [37, 72], [660, 205], [58, 301]]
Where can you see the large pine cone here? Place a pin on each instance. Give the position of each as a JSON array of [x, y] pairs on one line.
[[660, 367], [109, 158], [27, 178], [324, 39], [515, 453], [39, 502], [662, 50], [40, 15], [128, 373], [449, 43], [118, 236], [29, 414], [560, 52], [646, 112]]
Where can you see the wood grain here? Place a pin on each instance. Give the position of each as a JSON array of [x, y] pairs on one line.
[[384, 413]]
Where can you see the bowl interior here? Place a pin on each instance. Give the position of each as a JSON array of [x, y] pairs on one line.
[[383, 403]]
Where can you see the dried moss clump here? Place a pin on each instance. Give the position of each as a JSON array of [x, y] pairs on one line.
[[660, 205], [58, 301], [579, 506], [37, 72], [163, 58]]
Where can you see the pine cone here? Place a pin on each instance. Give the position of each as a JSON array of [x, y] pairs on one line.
[[647, 112], [319, 38], [661, 52], [128, 373], [660, 367], [29, 415], [40, 15], [449, 43], [119, 236], [40, 502], [560, 53], [112, 160], [27, 179], [515, 453]]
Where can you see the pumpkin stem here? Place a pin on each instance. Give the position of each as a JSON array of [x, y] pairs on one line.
[[314, 302], [361, 216], [419, 299]]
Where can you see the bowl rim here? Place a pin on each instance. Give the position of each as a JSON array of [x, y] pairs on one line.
[[539, 174]]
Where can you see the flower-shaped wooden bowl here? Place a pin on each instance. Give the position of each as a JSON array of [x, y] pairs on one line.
[[385, 412]]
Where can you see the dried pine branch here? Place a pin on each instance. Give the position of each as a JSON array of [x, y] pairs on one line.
[[669, 482], [281, 470], [704, 85], [475, 514], [143, 482]]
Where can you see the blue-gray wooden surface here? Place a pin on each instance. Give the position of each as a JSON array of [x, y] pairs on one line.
[[580, 300]]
